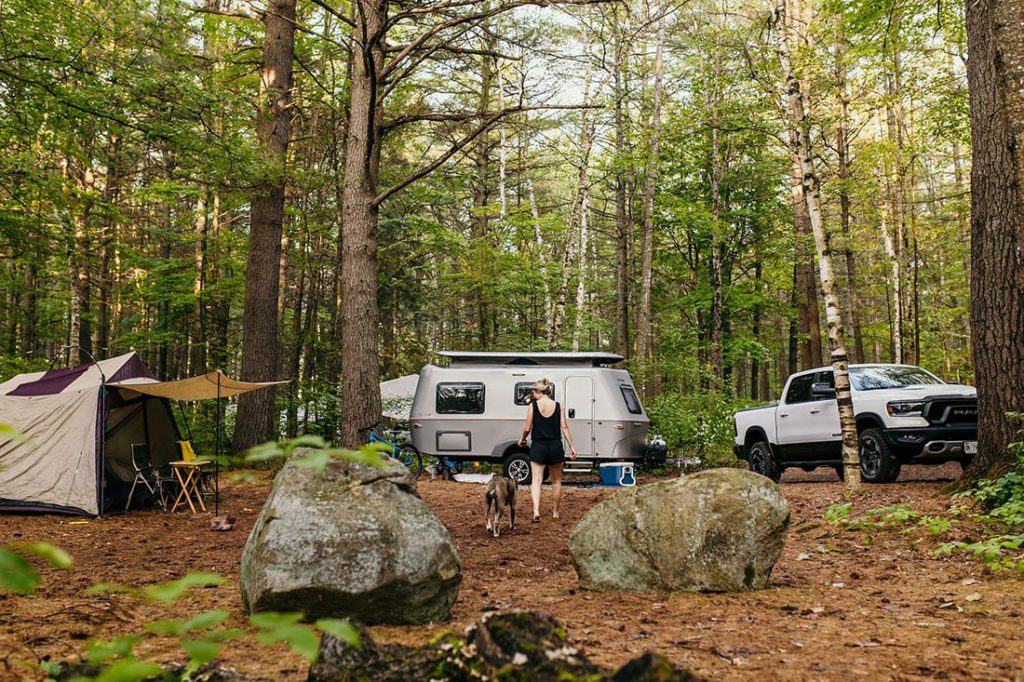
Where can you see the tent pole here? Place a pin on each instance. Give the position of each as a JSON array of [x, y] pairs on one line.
[[216, 460]]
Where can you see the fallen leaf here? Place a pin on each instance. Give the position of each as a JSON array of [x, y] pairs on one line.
[[969, 581], [973, 596], [803, 556]]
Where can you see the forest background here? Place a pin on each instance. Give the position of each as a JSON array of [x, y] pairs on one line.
[[614, 176]]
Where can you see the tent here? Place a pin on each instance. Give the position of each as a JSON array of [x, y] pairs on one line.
[[397, 395], [76, 453]]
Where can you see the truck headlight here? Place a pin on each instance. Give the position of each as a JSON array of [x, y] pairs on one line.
[[905, 409]]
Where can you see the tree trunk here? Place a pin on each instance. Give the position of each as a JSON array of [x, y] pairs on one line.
[[261, 343], [360, 358], [717, 172], [800, 124], [645, 336], [582, 212], [621, 228], [995, 74], [850, 300]]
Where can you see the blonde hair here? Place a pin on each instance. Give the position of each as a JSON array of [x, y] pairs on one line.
[[544, 386]]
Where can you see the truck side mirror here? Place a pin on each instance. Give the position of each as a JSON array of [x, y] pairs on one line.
[[823, 390]]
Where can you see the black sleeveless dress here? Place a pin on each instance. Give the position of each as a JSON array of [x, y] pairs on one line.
[[546, 434]]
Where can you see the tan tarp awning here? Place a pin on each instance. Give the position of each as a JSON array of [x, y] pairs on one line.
[[206, 387]]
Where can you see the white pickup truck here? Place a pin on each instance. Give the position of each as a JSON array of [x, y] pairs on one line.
[[904, 415]]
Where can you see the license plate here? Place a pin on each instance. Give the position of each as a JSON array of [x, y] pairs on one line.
[[970, 447]]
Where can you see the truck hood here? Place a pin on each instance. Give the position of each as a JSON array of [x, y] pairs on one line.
[[921, 391]]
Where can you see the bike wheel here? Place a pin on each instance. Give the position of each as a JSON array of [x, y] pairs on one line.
[[411, 458]]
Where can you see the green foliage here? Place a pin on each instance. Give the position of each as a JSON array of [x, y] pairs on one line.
[[201, 637], [319, 454], [697, 425], [1001, 502], [17, 574]]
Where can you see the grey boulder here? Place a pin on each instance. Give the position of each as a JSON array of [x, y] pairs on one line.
[[353, 541], [720, 530]]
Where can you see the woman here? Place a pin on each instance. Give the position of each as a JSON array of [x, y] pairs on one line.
[[543, 422]]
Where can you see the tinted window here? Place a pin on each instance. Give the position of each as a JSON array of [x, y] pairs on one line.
[[800, 389], [876, 377], [463, 398], [827, 378], [632, 402], [524, 392]]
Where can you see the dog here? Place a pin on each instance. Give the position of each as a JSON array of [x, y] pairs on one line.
[[501, 493]]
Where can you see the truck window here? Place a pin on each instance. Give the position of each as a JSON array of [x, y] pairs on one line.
[[460, 398], [632, 402], [524, 392], [800, 389]]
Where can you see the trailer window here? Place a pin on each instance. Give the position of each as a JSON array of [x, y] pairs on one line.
[[632, 402], [461, 398], [524, 392]]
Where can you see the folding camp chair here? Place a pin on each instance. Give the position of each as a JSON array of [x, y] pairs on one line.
[[155, 479], [207, 485]]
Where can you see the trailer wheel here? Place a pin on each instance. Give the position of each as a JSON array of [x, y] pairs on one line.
[[517, 467], [763, 462]]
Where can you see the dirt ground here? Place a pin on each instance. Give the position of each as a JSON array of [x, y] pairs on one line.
[[842, 604]]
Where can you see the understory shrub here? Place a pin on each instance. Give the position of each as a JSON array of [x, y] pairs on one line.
[[1001, 502], [697, 425]]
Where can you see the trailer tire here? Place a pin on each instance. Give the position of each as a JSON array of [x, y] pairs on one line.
[[762, 461], [517, 467]]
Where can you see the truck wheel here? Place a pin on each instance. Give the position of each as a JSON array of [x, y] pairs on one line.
[[763, 462], [517, 467], [877, 463]]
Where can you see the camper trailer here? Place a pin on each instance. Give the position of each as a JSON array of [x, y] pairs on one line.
[[475, 408]]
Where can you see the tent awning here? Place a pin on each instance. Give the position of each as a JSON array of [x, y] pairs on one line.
[[209, 386]]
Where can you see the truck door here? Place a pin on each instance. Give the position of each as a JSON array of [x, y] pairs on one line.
[[579, 413], [806, 423], [824, 431], [793, 417]]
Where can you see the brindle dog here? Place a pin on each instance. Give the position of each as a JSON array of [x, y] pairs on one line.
[[501, 492]]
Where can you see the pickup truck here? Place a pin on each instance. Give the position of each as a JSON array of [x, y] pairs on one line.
[[904, 415]]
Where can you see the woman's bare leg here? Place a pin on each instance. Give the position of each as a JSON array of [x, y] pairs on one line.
[[556, 487], [536, 478]]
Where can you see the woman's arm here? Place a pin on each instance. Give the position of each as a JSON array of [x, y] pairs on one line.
[[527, 427], [568, 436]]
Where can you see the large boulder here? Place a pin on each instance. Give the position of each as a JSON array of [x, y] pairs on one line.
[[720, 530], [353, 541]]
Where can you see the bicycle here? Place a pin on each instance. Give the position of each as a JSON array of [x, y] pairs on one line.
[[406, 453]]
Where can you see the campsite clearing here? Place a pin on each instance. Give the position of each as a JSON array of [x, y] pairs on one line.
[[874, 604]]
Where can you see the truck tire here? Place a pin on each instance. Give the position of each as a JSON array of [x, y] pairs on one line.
[[877, 463], [517, 467], [762, 461]]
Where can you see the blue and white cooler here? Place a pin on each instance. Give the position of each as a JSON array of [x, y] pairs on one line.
[[617, 474]]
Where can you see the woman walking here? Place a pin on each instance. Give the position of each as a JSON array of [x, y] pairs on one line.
[[543, 423]]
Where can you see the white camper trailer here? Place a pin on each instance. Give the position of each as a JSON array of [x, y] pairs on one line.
[[475, 408]]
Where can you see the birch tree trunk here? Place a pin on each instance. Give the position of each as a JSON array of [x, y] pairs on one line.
[[800, 118]]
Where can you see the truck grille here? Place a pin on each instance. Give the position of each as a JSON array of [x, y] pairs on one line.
[[952, 411]]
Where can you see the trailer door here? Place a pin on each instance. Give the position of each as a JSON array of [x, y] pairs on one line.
[[579, 413]]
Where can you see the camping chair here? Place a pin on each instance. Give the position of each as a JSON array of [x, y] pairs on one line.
[[156, 480], [207, 486]]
